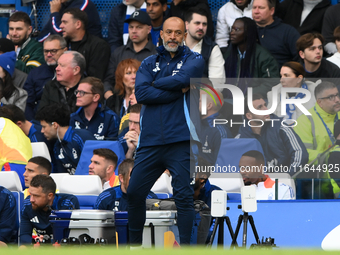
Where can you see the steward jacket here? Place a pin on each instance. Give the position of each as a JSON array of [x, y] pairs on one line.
[[280, 144], [280, 40], [38, 220], [96, 52], [103, 124], [8, 215], [115, 199], [290, 12], [94, 26], [164, 118], [67, 151], [313, 133], [30, 55]]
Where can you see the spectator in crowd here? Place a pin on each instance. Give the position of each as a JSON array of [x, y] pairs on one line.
[[179, 8], [37, 208], [310, 48], [156, 10], [331, 20], [55, 119], [58, 8], [10, 94], [95, 50], [36, 165], [138, 47], [275, 36], [226, 18], [334, 159], [118, 33], [102, 122], [129, 136], [115, 198], [69, 72], [305, 15], [29, 51], [292, 76], [124, 121], [245, 58], [32, 129], [335, 58], [104, 163], [54, 46], [251, 168], [164, 141], [16, 149], [316, 132], [18, 77], [281, 145], [8, 216], [196, 22], [125, 82]]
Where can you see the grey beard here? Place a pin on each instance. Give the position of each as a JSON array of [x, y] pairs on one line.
[[172, 49]]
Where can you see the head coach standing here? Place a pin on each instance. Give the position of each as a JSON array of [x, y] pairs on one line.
[[162, 86]]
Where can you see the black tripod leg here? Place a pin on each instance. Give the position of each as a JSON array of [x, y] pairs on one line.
[[245, 224], [217, 222], [220, 238], [239, 222], [252, 224], [231, 231]]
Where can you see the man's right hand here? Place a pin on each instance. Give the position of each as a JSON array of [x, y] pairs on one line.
[[55, 6]]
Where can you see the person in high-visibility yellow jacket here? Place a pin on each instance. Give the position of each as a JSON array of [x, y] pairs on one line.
[[316, 131]]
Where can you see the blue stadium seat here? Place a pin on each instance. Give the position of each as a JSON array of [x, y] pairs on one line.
[[163, 195], [19, 197], [87, 153], [86, 201]]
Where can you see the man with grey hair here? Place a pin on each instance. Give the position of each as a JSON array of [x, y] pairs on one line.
[[70, 70], [322, 119], [54, 46]]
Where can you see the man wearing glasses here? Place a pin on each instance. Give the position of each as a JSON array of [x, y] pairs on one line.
[[92, 114], [310, 48], [69, 72], [54, 46], [316, 132]]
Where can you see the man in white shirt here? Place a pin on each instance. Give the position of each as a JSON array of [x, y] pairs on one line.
[[251, 168], [196, 22]]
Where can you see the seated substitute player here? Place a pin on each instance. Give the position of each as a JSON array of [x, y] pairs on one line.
[[8, 216], [55, 120], [251, 168], [103, 164], [37, 208], [36, 165], [115, 198]]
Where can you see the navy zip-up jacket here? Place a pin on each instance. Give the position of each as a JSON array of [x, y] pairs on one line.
[[39, 219], [67, 152], [280, 144], [8, 215], [160, 79], [94, 26], [103, 124], [115, 199]]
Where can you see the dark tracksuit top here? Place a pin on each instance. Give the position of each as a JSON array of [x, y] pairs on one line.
[[39, 220], [8, 215], [103, 124]]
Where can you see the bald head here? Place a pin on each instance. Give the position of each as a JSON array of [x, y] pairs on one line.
[[173, 34], [213, 102]]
